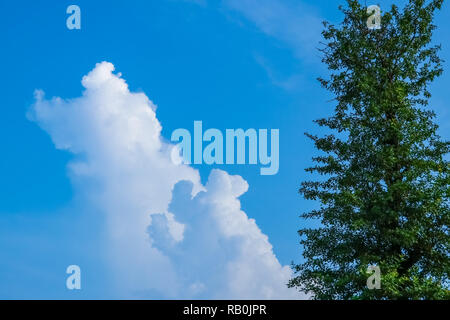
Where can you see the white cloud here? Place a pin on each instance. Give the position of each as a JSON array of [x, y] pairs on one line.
[[222, 247], [124, 167]]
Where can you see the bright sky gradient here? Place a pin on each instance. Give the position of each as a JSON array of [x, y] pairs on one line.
[[229, 63]]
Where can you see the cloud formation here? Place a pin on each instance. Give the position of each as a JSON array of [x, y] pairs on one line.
[[168, 236], [222, 247]]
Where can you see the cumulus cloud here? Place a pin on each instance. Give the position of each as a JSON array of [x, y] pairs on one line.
[[222, 247], [168, 236]]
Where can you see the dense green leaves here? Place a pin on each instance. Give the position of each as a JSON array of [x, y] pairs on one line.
[[385, 196]]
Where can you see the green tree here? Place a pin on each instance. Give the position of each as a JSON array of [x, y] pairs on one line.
[[384, 194]]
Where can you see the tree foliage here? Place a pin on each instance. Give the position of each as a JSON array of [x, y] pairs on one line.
[[384, 194]]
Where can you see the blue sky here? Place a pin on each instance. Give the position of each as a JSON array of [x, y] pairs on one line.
[[231, 64]]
